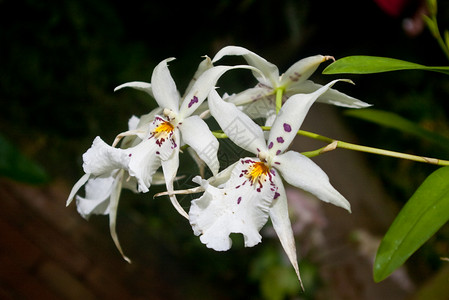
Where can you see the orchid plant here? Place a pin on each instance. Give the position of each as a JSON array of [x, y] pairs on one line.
[[244, 195]]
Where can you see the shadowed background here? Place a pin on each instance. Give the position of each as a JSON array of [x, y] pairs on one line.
[[60, 63]]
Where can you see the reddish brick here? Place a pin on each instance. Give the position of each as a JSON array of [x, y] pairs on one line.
[[62, 282], [20, 283], [16, 247], [56, 246]]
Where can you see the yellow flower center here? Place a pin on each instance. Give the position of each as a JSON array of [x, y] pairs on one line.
[[163, 130], [258, 172]]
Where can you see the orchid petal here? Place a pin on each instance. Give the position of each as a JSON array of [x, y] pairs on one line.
[[76, 188], [237, 126], [113, 207], [302, 70], [290, 118], [303, 173], [170, 168], [145, 160], [138, 85], [196, 134], [239, 207], [281, 224], [133, 122], [202, 67], [101, 158], [220, 179], [164, 87], [331, 96], [202, 87], [248, 96], [268, 69], [262, 108], [96, 201], [131, 183]]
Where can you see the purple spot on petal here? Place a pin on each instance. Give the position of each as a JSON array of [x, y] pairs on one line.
[[193, 101], [278, 152], [276, 195], [287, 127], [280, 139], [157, 152], [130, 155], [270, 145], [239, 199]]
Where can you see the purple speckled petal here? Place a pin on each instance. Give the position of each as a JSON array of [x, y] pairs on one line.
[[303, 173], [290, 118], [222, 211], [238, 126]]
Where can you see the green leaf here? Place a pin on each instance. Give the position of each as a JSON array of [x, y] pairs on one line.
[[425, 213], [374, 64], [395, 121], [16, 166]]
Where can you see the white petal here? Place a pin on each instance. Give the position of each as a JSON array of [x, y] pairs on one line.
[[238, 127], [302, 70], [238, 207], [281, 223], [76, 188], [96, 201], [113, 207], [269, 70], [203, 66], [221, 178], [164, 87], [144, 162], [250, 95], [196, 134], [170, 168], [133, 122], [331, 96], [303, 173], [202, 87], [138, 131], [290, 118], [262, 108], [101, 158], [138, 85]]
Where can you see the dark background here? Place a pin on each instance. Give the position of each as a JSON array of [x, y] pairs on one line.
[[60, 61]]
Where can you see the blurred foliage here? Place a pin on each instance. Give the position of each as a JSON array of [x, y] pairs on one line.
[[18, 167], [62, 59]]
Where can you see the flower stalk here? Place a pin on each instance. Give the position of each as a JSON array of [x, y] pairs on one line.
[[279, 93], [333, 144]]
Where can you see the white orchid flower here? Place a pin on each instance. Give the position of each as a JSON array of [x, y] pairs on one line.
[[163, 134], [241, 198], [293, 81], [103, 184]]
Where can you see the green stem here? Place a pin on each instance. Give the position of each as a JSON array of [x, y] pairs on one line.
[[439, 39], [219, 134], [333, 144], [279, 92]]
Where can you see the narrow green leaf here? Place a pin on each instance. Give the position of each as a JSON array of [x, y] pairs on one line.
[[425, 213], [395, 121], [16, 166], [374, 64]]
